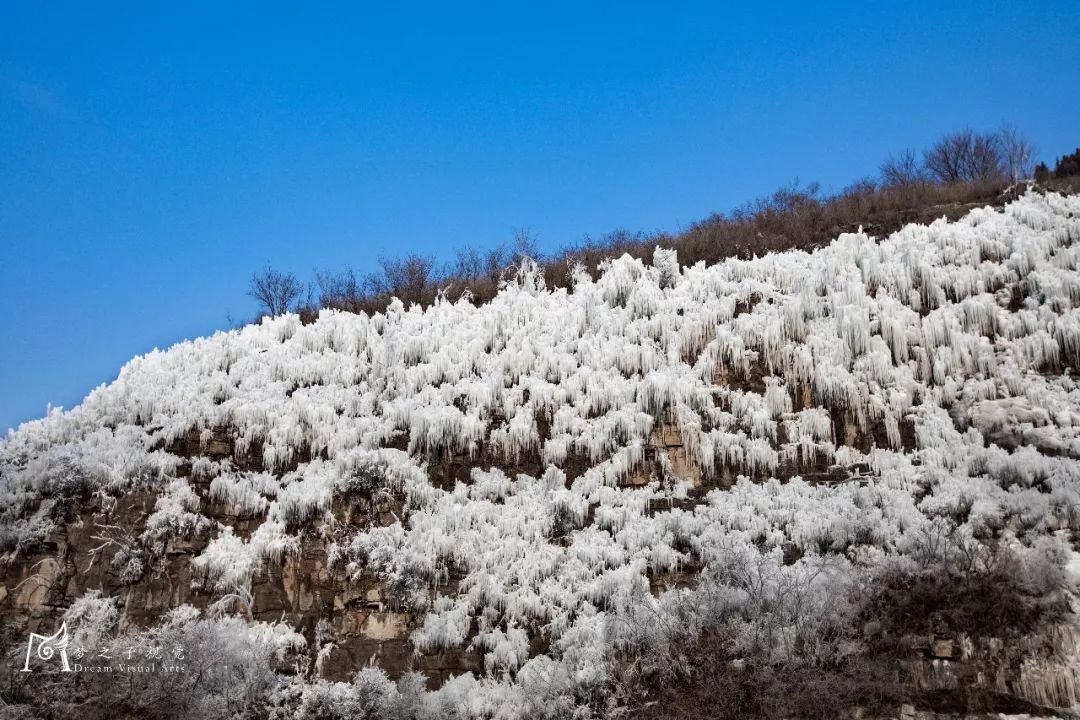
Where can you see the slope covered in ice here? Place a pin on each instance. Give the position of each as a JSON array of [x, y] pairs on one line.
[[833, 404]]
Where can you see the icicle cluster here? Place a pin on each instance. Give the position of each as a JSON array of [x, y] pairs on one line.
[[930, 372]]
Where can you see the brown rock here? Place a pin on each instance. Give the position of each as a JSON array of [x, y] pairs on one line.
[[942, 648]]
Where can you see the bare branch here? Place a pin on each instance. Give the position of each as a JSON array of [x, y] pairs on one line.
[[275, 291]]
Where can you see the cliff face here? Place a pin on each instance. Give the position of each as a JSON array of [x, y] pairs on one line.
[[526, 501]]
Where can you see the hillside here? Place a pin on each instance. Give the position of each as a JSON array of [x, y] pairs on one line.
[[854, 470]]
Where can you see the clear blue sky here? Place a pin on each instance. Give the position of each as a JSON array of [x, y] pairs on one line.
[[150, 159]]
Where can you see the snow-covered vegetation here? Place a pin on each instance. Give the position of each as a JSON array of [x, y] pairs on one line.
[[836, 409]]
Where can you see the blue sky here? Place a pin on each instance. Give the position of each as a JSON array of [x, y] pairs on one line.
[[151, 159]]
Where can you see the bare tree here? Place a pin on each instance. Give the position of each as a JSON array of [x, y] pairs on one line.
[[469, 266], [495, 263], [524, 246], [341, 291], [966, 156], [1018, 152], [275, 291], [480, 272], [903, 170], [410, 279]]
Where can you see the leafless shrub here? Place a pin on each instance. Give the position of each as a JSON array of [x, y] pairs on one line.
[[966, 156], [480, 272], [904, 171], [1018, 152], [275, 291], [340, 291], [410, 279], [129, 557], [524, 245]]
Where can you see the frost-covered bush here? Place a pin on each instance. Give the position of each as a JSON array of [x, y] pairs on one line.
[[331, 700], [91, 619], [758, 638], [998, 587], [53, 466], [244, 494], [366, 480], [42, 494], [225, 667], [374, 690], [371, 694], [228, 562], [176, 515]]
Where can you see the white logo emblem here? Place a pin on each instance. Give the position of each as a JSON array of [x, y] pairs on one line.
[[47, 646]]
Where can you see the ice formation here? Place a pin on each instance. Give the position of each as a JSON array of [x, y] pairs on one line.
[[827, 402]]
